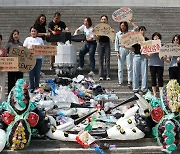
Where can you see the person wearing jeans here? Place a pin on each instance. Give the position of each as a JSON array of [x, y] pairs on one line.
[[104, 51], [140, 66], [89, 46], [34, 74], [124, 53]]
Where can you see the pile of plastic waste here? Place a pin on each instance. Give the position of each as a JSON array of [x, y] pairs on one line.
[[81, 110]]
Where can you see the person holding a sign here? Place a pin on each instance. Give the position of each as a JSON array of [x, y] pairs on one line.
[[89, 46], [174, 71], [34, 74], [140, 66], [104, 51], [3, 53], [13, 42], [124, 53], [156, 66]]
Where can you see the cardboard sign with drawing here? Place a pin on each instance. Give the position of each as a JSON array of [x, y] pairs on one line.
[[103, 29], [122, 14], [169, 49], [131, 38], [150, 46]]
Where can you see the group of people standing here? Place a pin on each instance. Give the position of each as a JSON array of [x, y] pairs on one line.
[[136, 62], [37, 36]]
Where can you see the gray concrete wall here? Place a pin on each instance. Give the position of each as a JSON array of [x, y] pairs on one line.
[[120, 3]]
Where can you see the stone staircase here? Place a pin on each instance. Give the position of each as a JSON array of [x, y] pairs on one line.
[[163, 20]]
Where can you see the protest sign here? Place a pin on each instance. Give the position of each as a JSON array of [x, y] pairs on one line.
[[103, 29], [122, 14], [131, 38], [150, 46], [26, 57], [169, 49], [45, 50], [9, 64]]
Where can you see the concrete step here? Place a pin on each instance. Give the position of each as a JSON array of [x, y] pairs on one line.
[[145, 145]]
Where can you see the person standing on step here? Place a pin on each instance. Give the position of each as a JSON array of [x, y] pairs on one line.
[[34, 74], [13, 42], [156, 66], [89, 46], [104, 51], [55, 27], [124, 53], [140, 66], [174, 71], [3, 53], [40, 25]]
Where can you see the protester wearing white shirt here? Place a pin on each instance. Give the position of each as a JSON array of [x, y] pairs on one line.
[[89, 46], [34, 74]]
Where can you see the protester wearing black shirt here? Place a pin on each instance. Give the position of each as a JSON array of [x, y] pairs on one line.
[[40, 24], [104, 52], [55, 27]]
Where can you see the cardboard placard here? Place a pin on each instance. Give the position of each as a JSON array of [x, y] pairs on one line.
[[26, 57], [169, 49], [131, 38], [103, 29], [150, 46], [122, 14], [45, 50], [9, 64]]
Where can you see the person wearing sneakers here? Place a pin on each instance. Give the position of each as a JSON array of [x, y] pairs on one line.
[[104, 51], [34, 74], [89, 46], [124, 53], [140, 66]]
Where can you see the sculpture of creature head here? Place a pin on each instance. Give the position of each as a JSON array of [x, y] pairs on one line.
[[19, 96]]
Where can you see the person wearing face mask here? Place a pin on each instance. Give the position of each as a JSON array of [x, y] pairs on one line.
[[13, 42], [104, 51], [89, 46], [156, 66], [124, 53], [34, 74], [55, 27], [140, 66], [3, 53]]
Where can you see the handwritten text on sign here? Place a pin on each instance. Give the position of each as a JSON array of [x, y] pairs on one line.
[[151, 46], [9, 64], [169, 49], [123, 14], [131, 38], [47, 50], [103, 29], [26, 58]]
